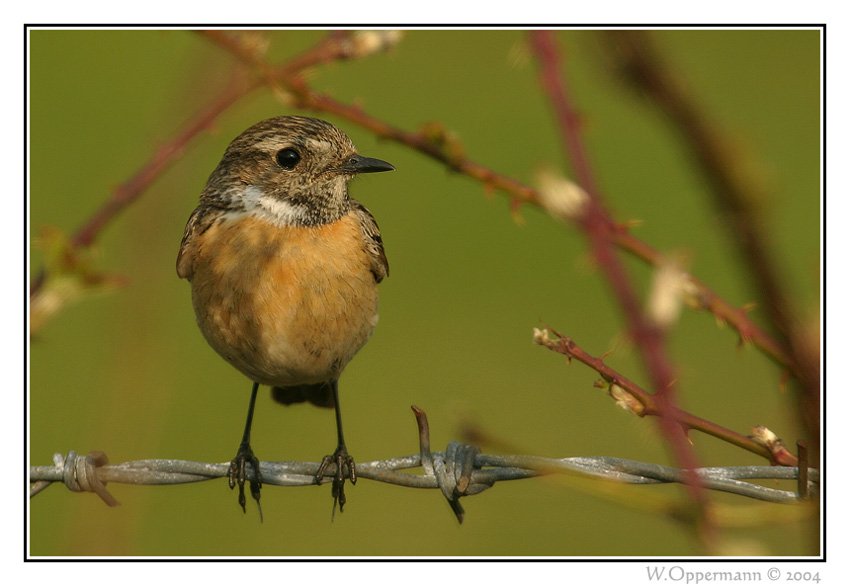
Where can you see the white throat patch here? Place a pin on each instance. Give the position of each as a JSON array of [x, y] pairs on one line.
[[277, 211]]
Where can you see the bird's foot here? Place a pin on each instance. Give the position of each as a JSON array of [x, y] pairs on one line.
[[236, 475], [344, 469]]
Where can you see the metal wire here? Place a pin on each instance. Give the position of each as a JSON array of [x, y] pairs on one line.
[[465, 471], [461, 470]]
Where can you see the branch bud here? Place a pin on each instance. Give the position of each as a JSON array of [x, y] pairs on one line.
[[625, 400], [370, 42], [671, 285], [559, 196]]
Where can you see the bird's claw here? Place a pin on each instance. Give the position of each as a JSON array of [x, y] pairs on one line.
[[344, 464], [237, 475]]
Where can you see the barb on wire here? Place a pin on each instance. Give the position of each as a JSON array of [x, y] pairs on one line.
[[460, 470]]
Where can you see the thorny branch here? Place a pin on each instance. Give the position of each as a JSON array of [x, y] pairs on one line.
[[736, 194], [594, 220], [632, 397]]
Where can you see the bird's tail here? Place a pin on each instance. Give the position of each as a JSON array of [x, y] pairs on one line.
[[319, 394]]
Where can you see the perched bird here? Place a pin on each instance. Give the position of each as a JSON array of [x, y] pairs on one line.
[[284, 268]]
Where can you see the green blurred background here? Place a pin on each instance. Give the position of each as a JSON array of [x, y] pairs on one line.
[[128, 372]]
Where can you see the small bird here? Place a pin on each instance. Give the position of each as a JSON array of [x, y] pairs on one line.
[[284, 268]]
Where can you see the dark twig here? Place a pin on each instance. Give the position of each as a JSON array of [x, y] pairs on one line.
[[129, 191], [595, 221], [706, 299], [437, 468], [803, 470], [642, 403], [736, 194]]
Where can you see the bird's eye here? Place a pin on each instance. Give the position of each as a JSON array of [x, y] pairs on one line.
[[288, 158]]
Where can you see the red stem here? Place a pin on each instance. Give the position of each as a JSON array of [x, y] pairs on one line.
[[649, 339]]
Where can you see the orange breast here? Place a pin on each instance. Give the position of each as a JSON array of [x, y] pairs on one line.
[[285, 305]]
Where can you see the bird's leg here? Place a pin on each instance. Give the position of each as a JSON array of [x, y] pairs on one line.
[[244, 456], [343, 461]]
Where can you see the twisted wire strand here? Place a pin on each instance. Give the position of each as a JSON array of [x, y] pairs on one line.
[[460, 470]]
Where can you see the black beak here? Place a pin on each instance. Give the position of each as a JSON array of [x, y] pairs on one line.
[[361, 164]]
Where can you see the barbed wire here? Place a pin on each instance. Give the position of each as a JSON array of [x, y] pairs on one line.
[[460, 470]]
